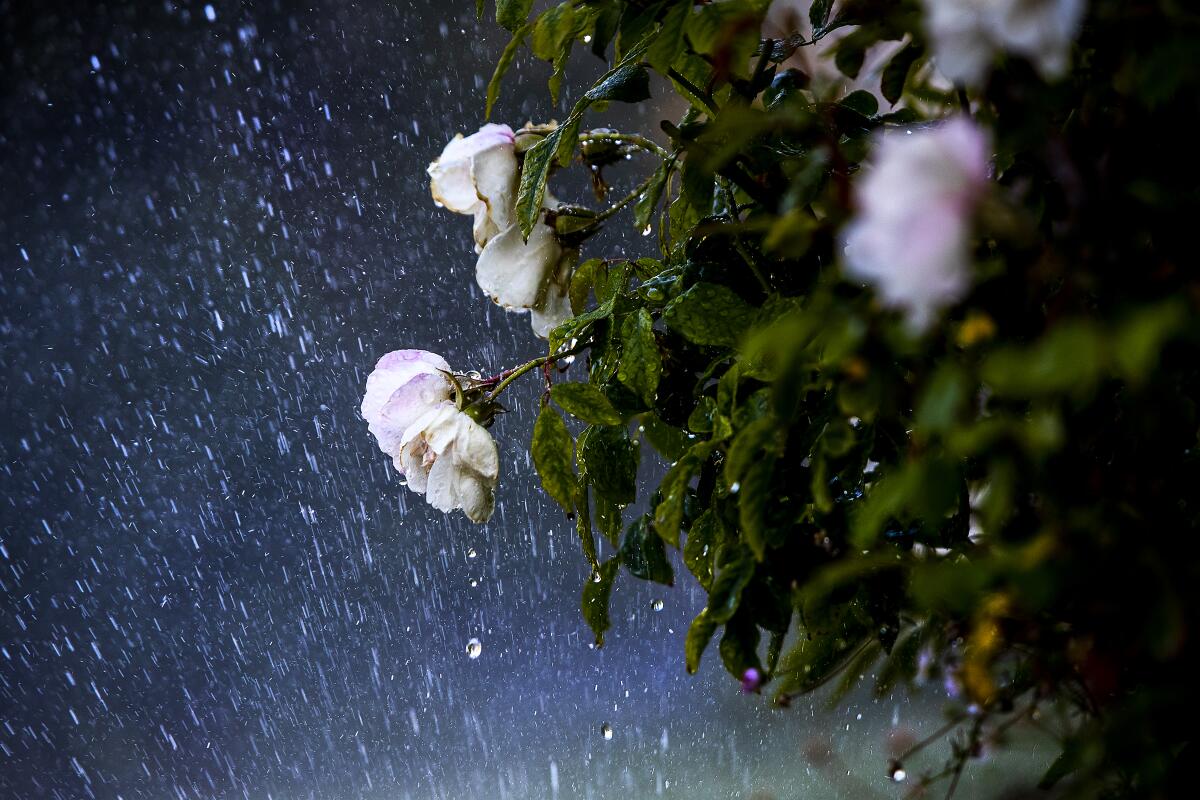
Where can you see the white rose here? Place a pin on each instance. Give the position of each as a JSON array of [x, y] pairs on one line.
[[442, 452], [478, 175], [967, 34], [911, 237]]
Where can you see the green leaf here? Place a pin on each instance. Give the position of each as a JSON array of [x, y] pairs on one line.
[[901, 664], [728, 584], [641, 362], [895, 74], [851, 53], [668, 43], [583, 525], [1067, 360], [595, 598], [695, 198], [608, 518], [582, 281], [646, 205], [861, 101], [645, 555], [506, 59], [942, 400], [818, 14], [700, 549], [698, 636], [669, 440], [512, 14], [754, 497], [709, 314], [668, 515], [854, 671], [1139, 338], [552, 451], [764, 434], [479, 4], [609, 460], [629, 83], [534, 172], [739, 645], [585, 401]]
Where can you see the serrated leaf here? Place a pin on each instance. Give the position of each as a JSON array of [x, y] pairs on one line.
[[585, 401], [895, 74], [552, 450], [595, 598], [641, 362], [709, 314], [506, 59], [609, 460], [644, 554], [534, 172], [700, 632], [512, 14]]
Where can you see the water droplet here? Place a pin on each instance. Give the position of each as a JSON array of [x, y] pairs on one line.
[[471, 553], [734, 488], [587, 38], [657, 605], [896, 772], [595, 576], [647, 229], [606, 731], [474, 648]]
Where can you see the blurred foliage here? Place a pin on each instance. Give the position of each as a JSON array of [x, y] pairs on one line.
[[1002, 506]]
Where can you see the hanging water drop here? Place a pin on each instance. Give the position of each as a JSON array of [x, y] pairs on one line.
[[474, 648], [606, 731], [657, 605]]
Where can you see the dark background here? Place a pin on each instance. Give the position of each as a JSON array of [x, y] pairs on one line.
[[212, 583]]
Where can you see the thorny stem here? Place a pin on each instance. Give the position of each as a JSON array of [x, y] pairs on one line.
[[508, 376], [625, 138]]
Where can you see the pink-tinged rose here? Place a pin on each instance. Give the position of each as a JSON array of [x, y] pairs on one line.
[[911, 237], [477, 175], [442, 452], [452, 460], [967, 34]]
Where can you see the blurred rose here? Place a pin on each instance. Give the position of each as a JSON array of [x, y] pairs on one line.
[[442, 452], [967, 34], [911, 237]]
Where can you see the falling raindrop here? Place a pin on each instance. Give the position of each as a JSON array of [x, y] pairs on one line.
[[474, 648], [657, 605], [606, 731], [471, 553]]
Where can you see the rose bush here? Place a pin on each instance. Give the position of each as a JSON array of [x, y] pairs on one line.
[[917, 357]]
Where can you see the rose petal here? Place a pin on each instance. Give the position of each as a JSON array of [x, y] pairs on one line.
[[406, 405], [394, 370]]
